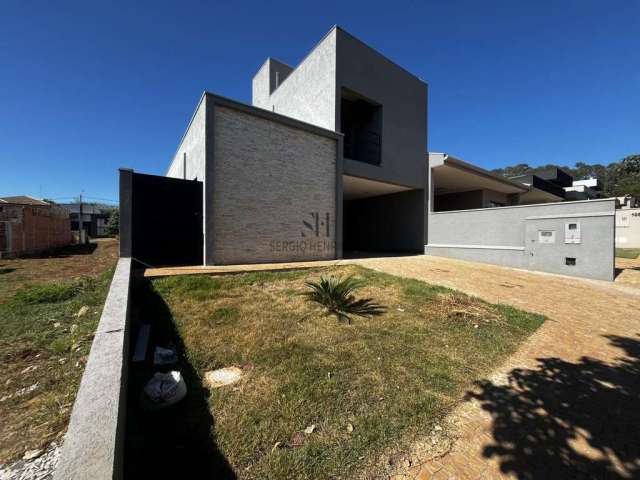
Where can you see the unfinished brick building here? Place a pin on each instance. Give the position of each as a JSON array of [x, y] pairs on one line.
[[29, 226]]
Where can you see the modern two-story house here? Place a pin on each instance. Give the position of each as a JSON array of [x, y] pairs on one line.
[[331, 158]]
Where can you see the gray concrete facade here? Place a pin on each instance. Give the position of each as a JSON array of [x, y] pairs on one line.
[[189, 160], [269, 77], [511, 236], [309, 92], [93, 446], [312, 93], [403, 99]]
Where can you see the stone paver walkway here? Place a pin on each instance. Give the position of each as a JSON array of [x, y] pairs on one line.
[[566, 404]]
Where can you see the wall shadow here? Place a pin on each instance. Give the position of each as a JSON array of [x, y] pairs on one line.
[[566, 420], [619, 271], [177, 442], [64, 252], [358, 254]]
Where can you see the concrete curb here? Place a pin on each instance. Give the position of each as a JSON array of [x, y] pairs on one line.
[[93, 447]]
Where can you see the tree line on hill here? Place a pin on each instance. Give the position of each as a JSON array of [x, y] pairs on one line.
[[616, 179]]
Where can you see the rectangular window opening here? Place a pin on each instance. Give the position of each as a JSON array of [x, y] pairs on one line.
[[571, 261], [361, 124]]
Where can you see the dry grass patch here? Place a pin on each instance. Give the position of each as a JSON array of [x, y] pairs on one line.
[[369, 387], [631, 253], [58, 266]]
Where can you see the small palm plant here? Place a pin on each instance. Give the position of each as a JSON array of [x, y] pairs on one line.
[[336, 295]]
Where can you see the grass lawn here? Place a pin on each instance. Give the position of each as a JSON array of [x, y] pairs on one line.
[[628, 252], [370, 388], [43, 344]]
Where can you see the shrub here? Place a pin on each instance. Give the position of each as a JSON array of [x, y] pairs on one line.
[[113, 224], [336, 294]]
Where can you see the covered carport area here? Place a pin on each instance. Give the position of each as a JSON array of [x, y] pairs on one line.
[[381, 217], [458, 185]]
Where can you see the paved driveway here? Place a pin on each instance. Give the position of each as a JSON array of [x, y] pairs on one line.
[[567, 404]]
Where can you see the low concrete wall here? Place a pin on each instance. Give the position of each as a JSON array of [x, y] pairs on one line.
[[92, 449], [510, 236]]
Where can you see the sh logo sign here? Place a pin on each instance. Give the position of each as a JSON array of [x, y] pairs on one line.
[[316, 226]]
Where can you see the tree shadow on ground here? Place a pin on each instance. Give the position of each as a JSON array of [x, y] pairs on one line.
[[568, 420], [177, 442], [6, 270]]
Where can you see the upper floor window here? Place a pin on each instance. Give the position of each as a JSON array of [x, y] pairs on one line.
[[361, 124]]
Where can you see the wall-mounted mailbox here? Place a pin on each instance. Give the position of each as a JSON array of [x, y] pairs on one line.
[[572, 232], [546, 236]]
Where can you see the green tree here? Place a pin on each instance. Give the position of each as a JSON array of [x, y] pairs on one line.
[[615, 179], [625, 177], [113, 224]]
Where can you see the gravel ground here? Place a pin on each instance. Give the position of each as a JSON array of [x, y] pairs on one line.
[[38, 468]]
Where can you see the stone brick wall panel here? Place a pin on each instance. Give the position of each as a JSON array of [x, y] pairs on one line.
[[268, 179]]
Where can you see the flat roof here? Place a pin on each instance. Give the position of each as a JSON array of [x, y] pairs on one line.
[[453, 175]]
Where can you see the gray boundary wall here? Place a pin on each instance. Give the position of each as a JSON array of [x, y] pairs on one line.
[[93, 446], [509, 236]]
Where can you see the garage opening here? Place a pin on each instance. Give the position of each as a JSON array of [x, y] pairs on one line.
[[381, 218]]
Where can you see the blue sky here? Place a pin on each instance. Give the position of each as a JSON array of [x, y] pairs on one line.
[[87, 87]]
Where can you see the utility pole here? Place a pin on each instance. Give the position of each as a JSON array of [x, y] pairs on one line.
[[81, 223]]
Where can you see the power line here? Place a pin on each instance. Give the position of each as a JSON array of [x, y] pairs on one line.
[[73, 197], [103, 199]]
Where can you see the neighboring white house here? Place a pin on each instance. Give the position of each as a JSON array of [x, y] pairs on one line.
[[628, 223], [583, 189]]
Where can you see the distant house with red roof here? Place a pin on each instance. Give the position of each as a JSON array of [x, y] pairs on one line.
[[29, 225]]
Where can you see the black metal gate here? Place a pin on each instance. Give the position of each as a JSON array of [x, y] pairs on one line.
[[160, 219]]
